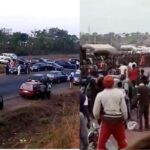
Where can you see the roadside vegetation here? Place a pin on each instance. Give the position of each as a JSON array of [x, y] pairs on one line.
[[39, 42], [51, 123]]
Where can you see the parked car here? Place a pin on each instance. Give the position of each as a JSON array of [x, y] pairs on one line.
[[76, 79], [73, 60], [57, 76], [34, 61], [39, 78], [44, 60], [65, 64], [41, 67], [10, 55], [30, 89], [55, 66], [22, 61], [4, 59]]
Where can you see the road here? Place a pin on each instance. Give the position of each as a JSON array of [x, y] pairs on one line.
[[9, 85]]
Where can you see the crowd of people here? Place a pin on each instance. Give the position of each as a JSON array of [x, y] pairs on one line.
[[14, 67], [111, 101]]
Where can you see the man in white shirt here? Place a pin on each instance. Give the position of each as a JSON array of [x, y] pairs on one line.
[[112, 102], [131, 64], [123, 69], [19, 69]]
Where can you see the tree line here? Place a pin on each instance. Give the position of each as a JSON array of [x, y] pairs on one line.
[[39, 42]]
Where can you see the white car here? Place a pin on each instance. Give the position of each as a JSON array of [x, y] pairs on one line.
[[76, 78], [4, 59], [10, 55]]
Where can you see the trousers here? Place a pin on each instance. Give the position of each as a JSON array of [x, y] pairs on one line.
[[117, 129]]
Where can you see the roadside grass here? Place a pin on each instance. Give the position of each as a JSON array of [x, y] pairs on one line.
[[67, 131], [51, 123]]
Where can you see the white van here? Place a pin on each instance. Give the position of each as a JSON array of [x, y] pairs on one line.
[[11, 55]]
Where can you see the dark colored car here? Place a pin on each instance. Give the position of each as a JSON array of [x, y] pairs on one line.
[[57, 76], [22, 61], [55, 66], [73, 60], [39, 78], [44, 60], [41, 67], [65, 64]]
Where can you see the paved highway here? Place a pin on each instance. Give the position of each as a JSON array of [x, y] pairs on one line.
[[9, 85]]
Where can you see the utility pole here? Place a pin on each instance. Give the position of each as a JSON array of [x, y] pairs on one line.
[[89, 31], [95, 40]]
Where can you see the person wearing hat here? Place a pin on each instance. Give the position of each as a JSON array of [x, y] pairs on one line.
[[112, 101]]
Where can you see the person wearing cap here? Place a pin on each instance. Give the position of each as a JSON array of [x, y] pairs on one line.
[[113, 116]]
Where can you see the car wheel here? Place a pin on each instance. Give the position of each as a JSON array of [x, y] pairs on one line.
[[38, 69]]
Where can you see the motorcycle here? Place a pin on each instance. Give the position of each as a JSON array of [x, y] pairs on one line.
[[93, 138], [93, 135]]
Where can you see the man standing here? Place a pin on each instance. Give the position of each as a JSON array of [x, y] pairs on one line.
[[83, 133], [133, 75], [144, 98], [42, 90], [112, 102], [19, 69], [123, 69], [71, 78], [7, 69], [48, 90]]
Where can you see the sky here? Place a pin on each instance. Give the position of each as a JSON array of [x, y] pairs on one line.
[[104, 16], [29, 15]]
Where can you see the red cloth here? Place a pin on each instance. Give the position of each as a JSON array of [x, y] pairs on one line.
[[117, 129], [133, 74]]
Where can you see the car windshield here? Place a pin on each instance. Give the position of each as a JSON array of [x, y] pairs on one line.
[[35, 77], [27, 86], [35, 64]]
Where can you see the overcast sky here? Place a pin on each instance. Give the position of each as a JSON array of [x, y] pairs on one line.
[[27, 15], [117, 16]]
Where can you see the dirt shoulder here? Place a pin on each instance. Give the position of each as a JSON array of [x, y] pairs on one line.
[[52, 123]]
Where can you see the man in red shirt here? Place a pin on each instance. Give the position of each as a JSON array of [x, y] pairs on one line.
[[133, 74]]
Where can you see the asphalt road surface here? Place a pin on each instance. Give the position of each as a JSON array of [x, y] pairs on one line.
[[9, 85]]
